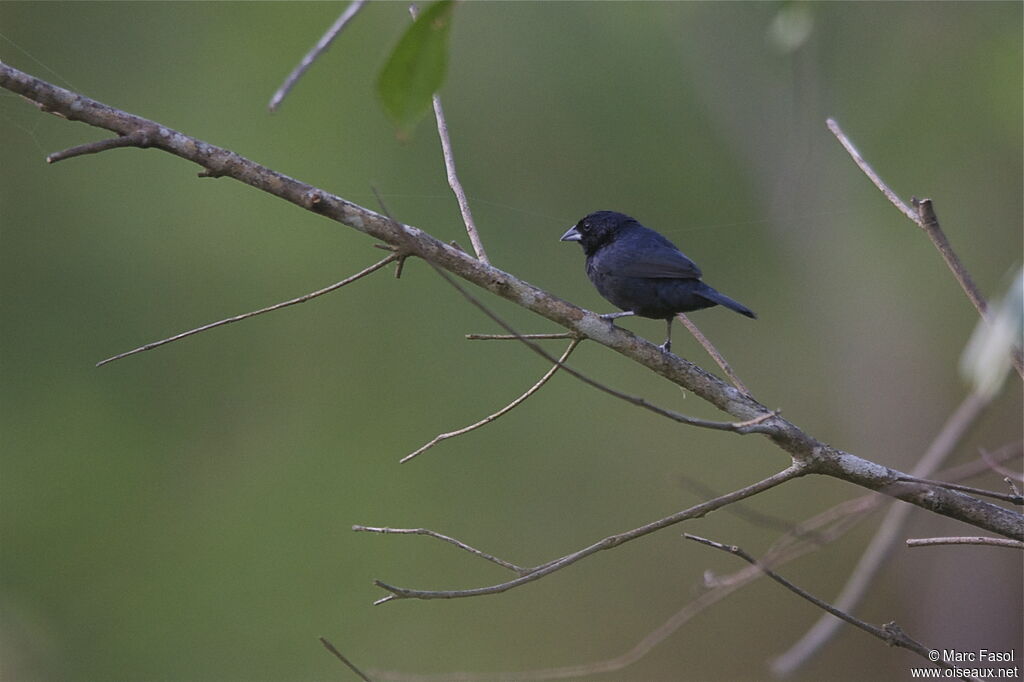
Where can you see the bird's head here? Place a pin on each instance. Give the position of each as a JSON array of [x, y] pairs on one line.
[[597, 229]]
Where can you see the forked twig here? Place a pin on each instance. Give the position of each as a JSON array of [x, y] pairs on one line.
[[795, 470], [237, 318], [318, 49], [922, 213], [890, 633], [491, 417]]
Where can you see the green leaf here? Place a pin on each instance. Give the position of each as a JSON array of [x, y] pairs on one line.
[[416, 67]]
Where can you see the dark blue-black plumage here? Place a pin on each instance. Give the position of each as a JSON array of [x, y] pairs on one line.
[[641, 272]]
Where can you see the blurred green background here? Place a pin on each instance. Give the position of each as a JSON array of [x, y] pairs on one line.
[[185, 514]]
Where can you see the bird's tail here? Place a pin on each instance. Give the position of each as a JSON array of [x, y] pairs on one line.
[[723, 300]]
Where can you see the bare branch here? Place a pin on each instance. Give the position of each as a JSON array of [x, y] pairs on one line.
[[237, 318], [965, 540], [890, 633], [318, 49], [712, 351], [923, 215], [793, 471], [330, 647], [799, 541], [488, 419]]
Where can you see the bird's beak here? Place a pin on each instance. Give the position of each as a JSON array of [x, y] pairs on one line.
[[572, 235]]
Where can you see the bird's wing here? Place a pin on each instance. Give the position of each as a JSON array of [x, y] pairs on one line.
[[654, 261]]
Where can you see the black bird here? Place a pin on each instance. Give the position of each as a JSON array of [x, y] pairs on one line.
[[641, 272]]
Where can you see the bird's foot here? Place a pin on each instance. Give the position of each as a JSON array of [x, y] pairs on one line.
[[666, 347]]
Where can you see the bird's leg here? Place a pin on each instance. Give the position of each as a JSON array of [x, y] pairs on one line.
[[667, 346]]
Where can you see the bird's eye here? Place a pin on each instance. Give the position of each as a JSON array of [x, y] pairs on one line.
[[583, 227]]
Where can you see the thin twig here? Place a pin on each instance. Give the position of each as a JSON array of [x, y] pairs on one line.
[[488, 419], [453, 176], [965, 540], [455, 184], [890, 633], [237, 318], [513, 337], [885, 539], [446, 538], [870, 172], [140, 139], [318, 49], [330, 647], [793, 471], [712, 351]]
